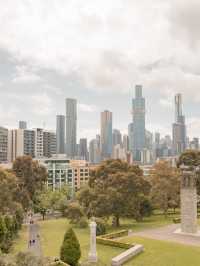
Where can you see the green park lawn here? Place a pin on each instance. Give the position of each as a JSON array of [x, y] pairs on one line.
[[157, 253]]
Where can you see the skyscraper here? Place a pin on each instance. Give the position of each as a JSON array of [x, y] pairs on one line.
[[130, 136], [117, 137], [49, 143], [3, 144], [94, 151], [22, 125], [106, 134], [179, 128], [71, 127], [83, 150], [60, 134], [138, 105]]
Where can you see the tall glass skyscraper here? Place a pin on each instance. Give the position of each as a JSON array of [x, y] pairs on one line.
[[179, 128], [71, 127], [138, 107], [106, 134], [60, 134]]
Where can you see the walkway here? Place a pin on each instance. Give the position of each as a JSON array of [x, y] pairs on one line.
[[34, 244], [167, 234]]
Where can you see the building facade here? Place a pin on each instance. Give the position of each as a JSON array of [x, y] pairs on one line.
[[49, 143], [62, 171], [20, 142], [138, 107], [3, 145], [60, 134], [106, 135], [179, 128], [71, 128]]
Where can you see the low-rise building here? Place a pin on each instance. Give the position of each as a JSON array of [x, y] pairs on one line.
[[63, 171]]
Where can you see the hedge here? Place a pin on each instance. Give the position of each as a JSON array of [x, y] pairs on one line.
[[108, 240], [116, 234]]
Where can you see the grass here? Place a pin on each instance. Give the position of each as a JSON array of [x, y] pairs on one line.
[[161, 253], [157, 253]]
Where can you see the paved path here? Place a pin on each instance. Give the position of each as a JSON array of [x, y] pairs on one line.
[[166, 233], [34, 244]]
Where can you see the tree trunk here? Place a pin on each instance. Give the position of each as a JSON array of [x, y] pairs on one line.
[[117, 222]]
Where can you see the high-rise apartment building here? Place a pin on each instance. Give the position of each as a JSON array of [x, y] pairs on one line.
[[3, 145], [138, 105], [60, 134], [49, 143], [94, 151], [130, 137], [20, 142], [179, 128], [22, 125], [83, 150], [39, 143], [125, 143], [71, 128], [106, 134], [117, 137]]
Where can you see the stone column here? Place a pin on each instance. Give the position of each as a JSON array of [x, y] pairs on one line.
[[93, 252], [188, 201]]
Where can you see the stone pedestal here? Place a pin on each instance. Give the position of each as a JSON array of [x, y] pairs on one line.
[[188, 202], [189, 210], [92, 257]]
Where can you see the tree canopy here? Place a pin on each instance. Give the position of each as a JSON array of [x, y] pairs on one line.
[[115, 189]]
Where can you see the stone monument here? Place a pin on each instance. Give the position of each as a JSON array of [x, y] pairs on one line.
[[93, 252], [188, 201]]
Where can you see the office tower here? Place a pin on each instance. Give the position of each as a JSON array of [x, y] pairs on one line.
[[194, 144], [71, 126], [3, 145], [125, 143], [179, 128], [117, 137], [106, 134], [148, 140], [138, 123], [39, 143], [22, 125], [130, 137], [157, 139], [83, 150], [49, 143], [60, 134], [94, 151], [20, 142]]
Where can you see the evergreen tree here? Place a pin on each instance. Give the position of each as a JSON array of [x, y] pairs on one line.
[[70, 251]]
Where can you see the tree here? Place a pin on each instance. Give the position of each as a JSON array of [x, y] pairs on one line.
[[32, 176], [74, 213], [47, 199], [115, 189], [165, 181], [189, 158], [70, 251], [9, 191]]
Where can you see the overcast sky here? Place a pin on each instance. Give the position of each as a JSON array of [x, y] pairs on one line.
[[96, 51]]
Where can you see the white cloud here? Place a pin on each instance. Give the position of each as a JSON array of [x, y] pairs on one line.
[[24, 75], [87, 108], [41, 104]]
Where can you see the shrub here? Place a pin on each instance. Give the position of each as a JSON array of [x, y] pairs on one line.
[[83, 223], [101, 227], [70, 251]]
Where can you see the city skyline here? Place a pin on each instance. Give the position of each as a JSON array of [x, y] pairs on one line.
[[124, 131], [81, 56]]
